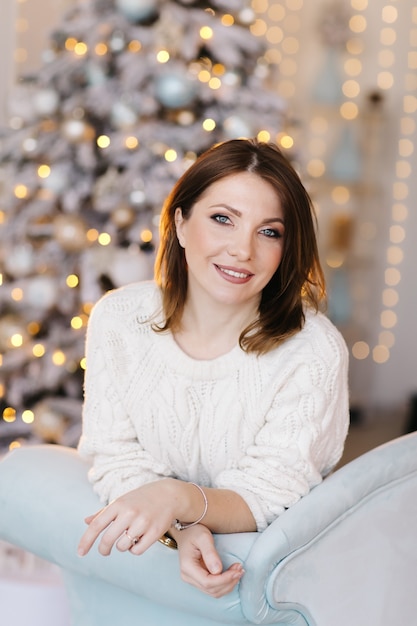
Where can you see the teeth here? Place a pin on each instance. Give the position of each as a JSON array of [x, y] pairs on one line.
[[234, 274]]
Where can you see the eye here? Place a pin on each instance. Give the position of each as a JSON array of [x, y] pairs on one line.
[[222, 219], [271, 233]]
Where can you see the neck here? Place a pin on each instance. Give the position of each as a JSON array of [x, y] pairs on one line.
[[209, 332]]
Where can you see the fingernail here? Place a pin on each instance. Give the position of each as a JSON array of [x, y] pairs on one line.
[[80, 552]]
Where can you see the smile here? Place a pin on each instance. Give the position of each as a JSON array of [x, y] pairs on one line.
[[233, 273]]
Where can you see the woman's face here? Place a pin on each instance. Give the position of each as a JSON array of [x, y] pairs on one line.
[[233, 240]]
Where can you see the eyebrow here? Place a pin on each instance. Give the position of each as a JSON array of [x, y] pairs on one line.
[[239, 214]]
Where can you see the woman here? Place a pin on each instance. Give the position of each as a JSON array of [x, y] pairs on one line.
[[216, 396]]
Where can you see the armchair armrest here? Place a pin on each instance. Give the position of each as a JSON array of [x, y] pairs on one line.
[[339, 539]]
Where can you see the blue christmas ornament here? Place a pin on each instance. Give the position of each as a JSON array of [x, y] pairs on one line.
[[175, 91], [137, 10]]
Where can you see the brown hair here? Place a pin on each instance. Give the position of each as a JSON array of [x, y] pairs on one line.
[[299, 278]]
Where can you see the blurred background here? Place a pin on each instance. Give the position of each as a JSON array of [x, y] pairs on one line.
[[104, 103]]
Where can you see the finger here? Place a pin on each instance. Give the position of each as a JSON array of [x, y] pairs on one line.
[[215, 585], [100, 522]]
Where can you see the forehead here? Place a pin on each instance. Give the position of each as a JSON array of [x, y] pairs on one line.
[[241, 187]]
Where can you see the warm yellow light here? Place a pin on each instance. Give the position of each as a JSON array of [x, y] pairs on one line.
[[14, 445], [16, 340], [290, 45], [33, 328], [21, 191], [146, 235], [206, 32], [410, 104], [395, 255], [357, 23], [399, 212], [390, 297], [215, 83], [353, 67], [392, 276], [276, 12], [219, 69], [134, 46], [359, 5], [80, 49], [28, 417], [104, 239], [101, 49], [274, 35], [351, 88], [385, 80], [131, 142], [70, 43], [286, 142], [163, 56], [44, 171], [58, 358], [380, 354], [400, 191], [396, 233], [354, 46], [76, 322], [389, 14], [349, 110], [38, 350], [387, 338], [204, 76], [258, 28], [209, 124], [170, 155], [17, 294], [9, 415], [264, 135], [83, 363], [340, 194], [103, 141], [72, 280], [360, 350], [316, 168], [92, 235], [227, 20], [388, 319], [388, 36], [405, 147]]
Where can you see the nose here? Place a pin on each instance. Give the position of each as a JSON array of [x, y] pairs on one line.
[[241, 246]]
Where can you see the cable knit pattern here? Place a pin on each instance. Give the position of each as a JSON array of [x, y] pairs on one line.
[[267, 427]]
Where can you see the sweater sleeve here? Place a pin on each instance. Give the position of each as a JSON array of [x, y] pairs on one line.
[[303, 433], [109, 439]]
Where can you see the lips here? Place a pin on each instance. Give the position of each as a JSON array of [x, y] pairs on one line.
[[233, 273]]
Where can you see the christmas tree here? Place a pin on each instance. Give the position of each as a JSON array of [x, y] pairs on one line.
[[131, 91]]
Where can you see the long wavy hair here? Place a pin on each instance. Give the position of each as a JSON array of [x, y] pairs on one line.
[[299, 279]]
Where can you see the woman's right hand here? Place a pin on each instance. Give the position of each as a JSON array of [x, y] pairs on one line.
[[200, 563]]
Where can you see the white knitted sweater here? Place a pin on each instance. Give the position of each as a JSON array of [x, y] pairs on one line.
[[267, 427]]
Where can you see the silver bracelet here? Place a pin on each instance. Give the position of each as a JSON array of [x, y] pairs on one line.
[[179, 525]]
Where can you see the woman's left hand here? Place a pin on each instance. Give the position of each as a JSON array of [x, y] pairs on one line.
[[132, 522]]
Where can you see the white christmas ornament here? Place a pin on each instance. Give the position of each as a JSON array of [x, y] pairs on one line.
[[41, 292], [122, 116], [175, 91], [19, 261], [137, 10], [236, 127], [57, 181], [74, 130], [46, 102]]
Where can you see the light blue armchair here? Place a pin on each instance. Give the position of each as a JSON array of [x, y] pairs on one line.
[[345, 555]]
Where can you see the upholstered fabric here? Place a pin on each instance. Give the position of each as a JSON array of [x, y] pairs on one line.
[[344, 554]]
